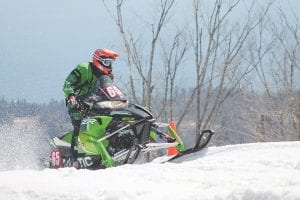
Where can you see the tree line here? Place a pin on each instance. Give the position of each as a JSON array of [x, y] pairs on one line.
[[51, 116], [247, 117]]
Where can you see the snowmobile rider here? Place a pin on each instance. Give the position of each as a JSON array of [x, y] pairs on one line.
[[82, 81]]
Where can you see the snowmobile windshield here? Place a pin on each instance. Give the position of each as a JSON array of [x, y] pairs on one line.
[[106, 94], [109, 90]]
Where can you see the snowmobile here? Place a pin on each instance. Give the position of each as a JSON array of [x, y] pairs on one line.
[[115, 132]]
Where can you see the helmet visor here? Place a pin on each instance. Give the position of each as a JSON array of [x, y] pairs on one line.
[[106, 61]]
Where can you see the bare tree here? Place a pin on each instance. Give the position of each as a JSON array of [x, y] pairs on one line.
[[134, 56], [221, 57], [173, 57], [281, 102]]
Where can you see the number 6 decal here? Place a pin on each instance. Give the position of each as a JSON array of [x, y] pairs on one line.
[[113, 91]]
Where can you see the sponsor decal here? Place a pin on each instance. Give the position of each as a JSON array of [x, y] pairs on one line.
[[84, 162], [89, 121]]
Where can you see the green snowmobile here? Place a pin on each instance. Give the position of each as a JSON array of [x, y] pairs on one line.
[[116, 133]]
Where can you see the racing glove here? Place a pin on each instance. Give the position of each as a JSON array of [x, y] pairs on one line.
[[72, 100]]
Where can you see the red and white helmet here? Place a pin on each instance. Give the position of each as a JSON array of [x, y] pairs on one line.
[[103, 59]]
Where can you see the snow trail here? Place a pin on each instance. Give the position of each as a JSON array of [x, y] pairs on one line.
[[248, 171]]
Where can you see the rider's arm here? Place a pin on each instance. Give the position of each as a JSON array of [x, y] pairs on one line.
[[70, 83], [74, 80]]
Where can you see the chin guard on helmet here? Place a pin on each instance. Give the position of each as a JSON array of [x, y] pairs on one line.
[[103, 59]]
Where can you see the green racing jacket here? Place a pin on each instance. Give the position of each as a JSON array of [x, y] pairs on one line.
[[81, 81]]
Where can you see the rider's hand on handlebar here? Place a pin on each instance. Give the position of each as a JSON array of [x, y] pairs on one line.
[[72, 100]]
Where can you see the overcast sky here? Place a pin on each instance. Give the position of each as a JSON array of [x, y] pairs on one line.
[[42, 41]]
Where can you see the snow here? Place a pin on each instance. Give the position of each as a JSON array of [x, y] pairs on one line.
[[249, 171]]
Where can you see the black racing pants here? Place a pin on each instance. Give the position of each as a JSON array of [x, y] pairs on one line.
[[74, 141], [76, 119]]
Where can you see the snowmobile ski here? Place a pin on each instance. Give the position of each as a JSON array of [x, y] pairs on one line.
[[156, 146], [201, 141]]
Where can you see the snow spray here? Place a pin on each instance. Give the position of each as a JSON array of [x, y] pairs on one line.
[[22, 143]]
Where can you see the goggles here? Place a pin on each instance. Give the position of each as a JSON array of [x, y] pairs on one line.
[[106, 61]]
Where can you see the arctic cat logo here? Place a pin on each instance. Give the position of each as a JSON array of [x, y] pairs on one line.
[[84, 162], [89, 121]]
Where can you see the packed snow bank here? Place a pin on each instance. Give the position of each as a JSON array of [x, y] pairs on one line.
[[251, 171]]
